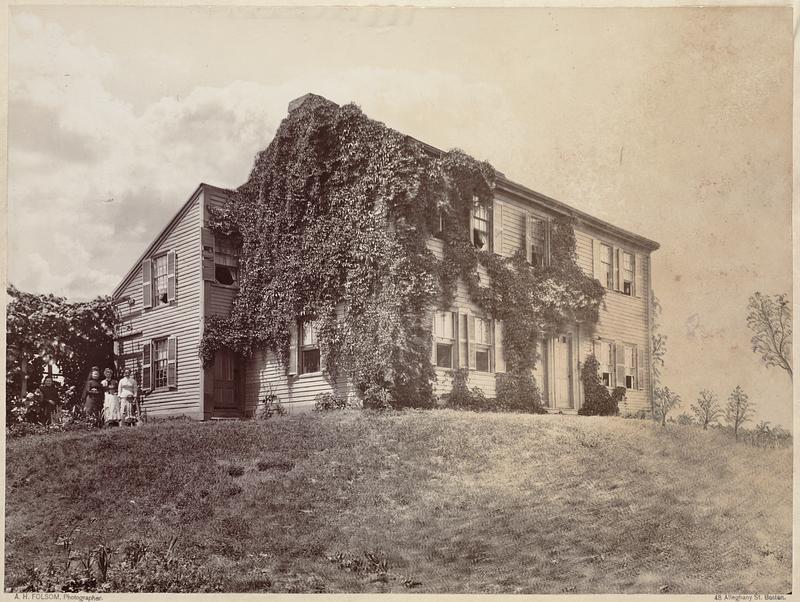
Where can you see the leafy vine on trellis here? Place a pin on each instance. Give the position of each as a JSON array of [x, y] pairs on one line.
[[334, 222]]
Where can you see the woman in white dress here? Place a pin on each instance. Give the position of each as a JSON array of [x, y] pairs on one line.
[[127, 396], [111, 410]]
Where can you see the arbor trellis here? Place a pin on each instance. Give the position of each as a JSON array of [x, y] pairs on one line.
[[41, 329], [333, 224]]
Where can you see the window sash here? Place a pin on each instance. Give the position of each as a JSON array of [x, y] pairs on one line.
[[160, 273], [606, 265], [160, 363]]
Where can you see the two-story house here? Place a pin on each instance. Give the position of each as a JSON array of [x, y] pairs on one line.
[[188, 273]]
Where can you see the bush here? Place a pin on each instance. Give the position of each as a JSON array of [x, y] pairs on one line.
[[377, 398], [325, 402], [597, 400], [464, 398], [269, 406], [519, 392]]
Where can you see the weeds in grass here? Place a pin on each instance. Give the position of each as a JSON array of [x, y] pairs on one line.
[[235, 470]]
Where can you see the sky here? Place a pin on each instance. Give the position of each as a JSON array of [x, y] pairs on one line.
[[674, 123]]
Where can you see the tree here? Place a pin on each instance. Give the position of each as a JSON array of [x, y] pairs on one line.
[[770, 319], [45, 329], [665, 400], [707, 409], [739, 410], [658, 341]]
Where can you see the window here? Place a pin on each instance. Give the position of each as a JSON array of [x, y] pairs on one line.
[[160, 363], [226, 260], [309, 348], [482, 339], [160, 277], [630, 367], [627, 273], [603, 351], [537, 241], [443, 339], [480, 226], [606, 266]]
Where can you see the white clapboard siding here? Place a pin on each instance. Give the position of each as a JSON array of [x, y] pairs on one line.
[[219, 300], [265, 374], [179, 319]]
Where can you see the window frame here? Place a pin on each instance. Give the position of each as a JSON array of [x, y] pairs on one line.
[[608, 348], [158, 364], [226, 256], [155, 278], [303, 347], [609, 256], [536, 222], [444, 321], [485, 219], [630, 369], [483, 346], [624, 272]]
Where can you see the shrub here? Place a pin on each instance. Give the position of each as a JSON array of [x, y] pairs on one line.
[[325, 402], [269, 406], [518, 391], [377, 398], [597, 400], [685, 419], [462, 397], [665, 400]]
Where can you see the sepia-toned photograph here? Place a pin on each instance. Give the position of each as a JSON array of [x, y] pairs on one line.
[[365, 300]]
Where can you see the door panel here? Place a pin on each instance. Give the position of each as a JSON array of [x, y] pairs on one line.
[[225, 398], [562, 371]]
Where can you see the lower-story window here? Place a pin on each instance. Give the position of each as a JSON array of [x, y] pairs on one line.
[[630, 367], [443, 339], [309, 348], [603, 351], [481, 338], [160, 363]]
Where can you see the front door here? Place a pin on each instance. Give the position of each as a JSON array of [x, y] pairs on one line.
[[562, 371], [226, 403]]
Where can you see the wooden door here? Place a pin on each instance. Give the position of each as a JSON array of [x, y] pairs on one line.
[[226, 402], [562, 371]]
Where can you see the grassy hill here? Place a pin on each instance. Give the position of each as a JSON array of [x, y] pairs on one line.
[[436, 501]]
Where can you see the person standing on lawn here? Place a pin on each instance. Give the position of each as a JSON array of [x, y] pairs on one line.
[[111, 413], [93, 396], [127, 395], [50, 399]]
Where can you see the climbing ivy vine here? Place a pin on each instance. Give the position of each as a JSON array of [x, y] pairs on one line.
[[334, 222]]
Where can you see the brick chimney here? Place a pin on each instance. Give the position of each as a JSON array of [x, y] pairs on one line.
[[298, 102]]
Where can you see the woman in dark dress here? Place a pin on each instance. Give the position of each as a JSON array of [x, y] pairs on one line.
[[93, 395], [50, 399]]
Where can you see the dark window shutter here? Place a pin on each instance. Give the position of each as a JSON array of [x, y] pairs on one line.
[[548, 225], [497, 224], [147, 283], [171, 269], [172, 362], [527, 239], [147, 368], [638, 277], [499, 352]]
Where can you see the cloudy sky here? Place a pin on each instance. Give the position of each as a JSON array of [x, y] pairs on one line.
[[673, 123]]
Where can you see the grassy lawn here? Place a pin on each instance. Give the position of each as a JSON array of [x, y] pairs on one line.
[[436, 501]]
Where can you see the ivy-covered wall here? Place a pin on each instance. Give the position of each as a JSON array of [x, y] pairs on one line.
[[336, 213]]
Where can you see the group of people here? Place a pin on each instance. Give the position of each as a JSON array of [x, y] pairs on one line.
[[110, 402]]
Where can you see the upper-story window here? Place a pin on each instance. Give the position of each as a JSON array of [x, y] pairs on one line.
[[160, 277], [606, 266], [480, 226], [627, 273], [226, 261], [309, 348], [538, 229]]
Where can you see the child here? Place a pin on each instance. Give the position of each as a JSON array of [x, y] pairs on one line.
[[127, 394]]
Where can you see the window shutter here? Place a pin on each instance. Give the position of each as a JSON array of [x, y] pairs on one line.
[[596, 259], [172, 362], [147, 368], [207, 240], [619, 355], [497, 224], [638, 277], [472, 224], [433, 337], [147, 283], [463, 348], [499, 352], [171, 268], [548, 225], [291, 369], [526, 238], [471, 339], [640, 368], [456, 349], [617, 259]]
